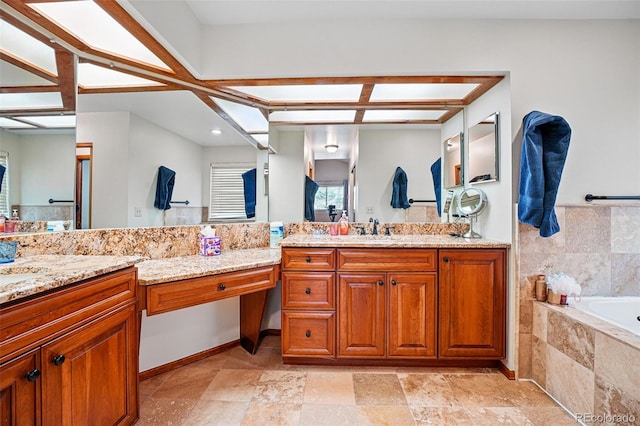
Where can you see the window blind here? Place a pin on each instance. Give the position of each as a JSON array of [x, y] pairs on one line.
[[227, 192], [4, 194]]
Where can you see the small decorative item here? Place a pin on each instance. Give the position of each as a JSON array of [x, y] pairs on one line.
[[560, 286], [209, 243], [8, 251], [541, 289]]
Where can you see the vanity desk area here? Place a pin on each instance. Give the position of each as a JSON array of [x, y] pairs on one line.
[[430, 300]]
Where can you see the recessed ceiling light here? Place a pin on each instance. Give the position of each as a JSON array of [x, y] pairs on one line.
[[216, 132]]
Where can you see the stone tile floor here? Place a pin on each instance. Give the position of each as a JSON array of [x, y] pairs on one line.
[[235, 388]]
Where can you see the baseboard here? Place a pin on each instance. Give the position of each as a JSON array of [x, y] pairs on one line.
[[147, 374], [509, 374]]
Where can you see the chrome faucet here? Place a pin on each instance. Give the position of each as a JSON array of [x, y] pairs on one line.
[[375, 225]]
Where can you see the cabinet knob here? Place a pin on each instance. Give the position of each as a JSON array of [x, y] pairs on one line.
[[222, 286], [58, 359], [393, 282], [445, 259], [308, 333], [380, 282], [32, 375], [308, 291], [308, 259]]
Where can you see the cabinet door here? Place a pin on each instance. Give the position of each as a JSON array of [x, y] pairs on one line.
[[20, 390], [412, 315], [472, 295], [361, 315], [90, 375]]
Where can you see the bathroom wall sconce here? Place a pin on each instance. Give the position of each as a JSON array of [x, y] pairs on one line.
[[331, 148]]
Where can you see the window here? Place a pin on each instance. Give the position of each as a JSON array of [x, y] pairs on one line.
[[4, 193], [329, 194], [227, 191]]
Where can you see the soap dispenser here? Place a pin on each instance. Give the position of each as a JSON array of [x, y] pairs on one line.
[[344, 223]]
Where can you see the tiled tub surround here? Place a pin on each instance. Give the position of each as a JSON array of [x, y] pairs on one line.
[[598, 245], [588, 365]]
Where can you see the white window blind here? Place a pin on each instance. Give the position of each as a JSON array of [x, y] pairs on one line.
[[4, 193], [227, 192]]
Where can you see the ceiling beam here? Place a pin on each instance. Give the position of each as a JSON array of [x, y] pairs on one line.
[[66, 64], [365, 95], [28, 67]]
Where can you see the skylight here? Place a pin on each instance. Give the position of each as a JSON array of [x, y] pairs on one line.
[[401, 115], [90, 75], [37, 100], [305, 93], [27, 48], [13, 124], [420, 91], [317, 116], [249, 118], [50, 120], [90, 23]]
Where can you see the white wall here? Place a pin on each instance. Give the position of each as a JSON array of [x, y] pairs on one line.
[[381, 151], [286, 177], [150, 147], [586, 71], [109, 133]]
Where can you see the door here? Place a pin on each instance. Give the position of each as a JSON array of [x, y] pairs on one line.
[[412, 315], [84, 153], [20, 390], [472, 299], [87, 373], [361, 315]]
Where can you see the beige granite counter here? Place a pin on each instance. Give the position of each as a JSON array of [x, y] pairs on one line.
[[156, 271], [392, 241], [30, 275]]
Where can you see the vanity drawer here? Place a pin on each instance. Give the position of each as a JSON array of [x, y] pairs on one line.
[[308, 333], [422, 260], [303, 290], [309, 259]]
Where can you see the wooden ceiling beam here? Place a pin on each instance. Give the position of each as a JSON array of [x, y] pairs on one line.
[[436, 79], [28, 67], [365, 95], [65, 62], [342, 123], [29, 89], [434, 104], [32, 111]]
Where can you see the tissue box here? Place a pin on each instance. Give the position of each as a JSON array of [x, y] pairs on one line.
[[210, 246], [8, 251]]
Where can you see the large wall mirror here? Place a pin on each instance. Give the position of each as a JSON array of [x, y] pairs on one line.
[[484, 150]]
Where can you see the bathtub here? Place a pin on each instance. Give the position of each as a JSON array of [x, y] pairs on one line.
[[621, 311]]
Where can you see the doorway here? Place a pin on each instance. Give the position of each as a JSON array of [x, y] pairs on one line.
[[84, 153]]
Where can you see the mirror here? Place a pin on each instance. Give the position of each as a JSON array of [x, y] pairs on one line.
[[453, 159], [483, 150], [471, 203]]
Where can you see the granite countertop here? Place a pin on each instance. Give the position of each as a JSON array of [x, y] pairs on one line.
[[392, 241], [156, 271], [30, 275]]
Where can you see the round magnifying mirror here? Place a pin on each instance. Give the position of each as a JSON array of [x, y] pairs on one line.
[[470, 204]]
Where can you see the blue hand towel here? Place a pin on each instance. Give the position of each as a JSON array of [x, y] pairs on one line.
[[399, 198], [436, 171], [2, 170], [164, 188], [310, 189], [545, 143], [249, 185]]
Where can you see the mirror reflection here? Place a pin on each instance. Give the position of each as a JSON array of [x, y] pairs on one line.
[[483, 150]]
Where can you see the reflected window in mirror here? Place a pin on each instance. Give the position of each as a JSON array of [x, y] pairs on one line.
[[453, 175], [4, 184], [483, 150], [232, 192], [330, 201]]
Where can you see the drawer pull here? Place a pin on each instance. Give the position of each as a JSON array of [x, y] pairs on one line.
[[222, 286], [393, 282], [32, 375], [308, 291], [380, 282], [308, 259], [58, 359], [446, 260], [308, 333]]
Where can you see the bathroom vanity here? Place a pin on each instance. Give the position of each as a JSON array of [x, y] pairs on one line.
[[69, 347], [431, 300]]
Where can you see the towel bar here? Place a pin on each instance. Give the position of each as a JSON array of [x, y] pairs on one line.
[[51, 201], [180, 202], [411, 201], [590, 197]]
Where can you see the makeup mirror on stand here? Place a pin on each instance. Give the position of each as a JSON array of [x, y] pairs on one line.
[[471, 203]]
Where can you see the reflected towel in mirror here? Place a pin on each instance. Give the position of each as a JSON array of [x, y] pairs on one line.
[[249, 184], [399, 199], [164, 188], [310, 189], [436, 171]]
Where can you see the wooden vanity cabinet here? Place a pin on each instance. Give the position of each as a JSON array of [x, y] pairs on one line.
[[71, 356], [391, 313], [472, 301], [308, 302]]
